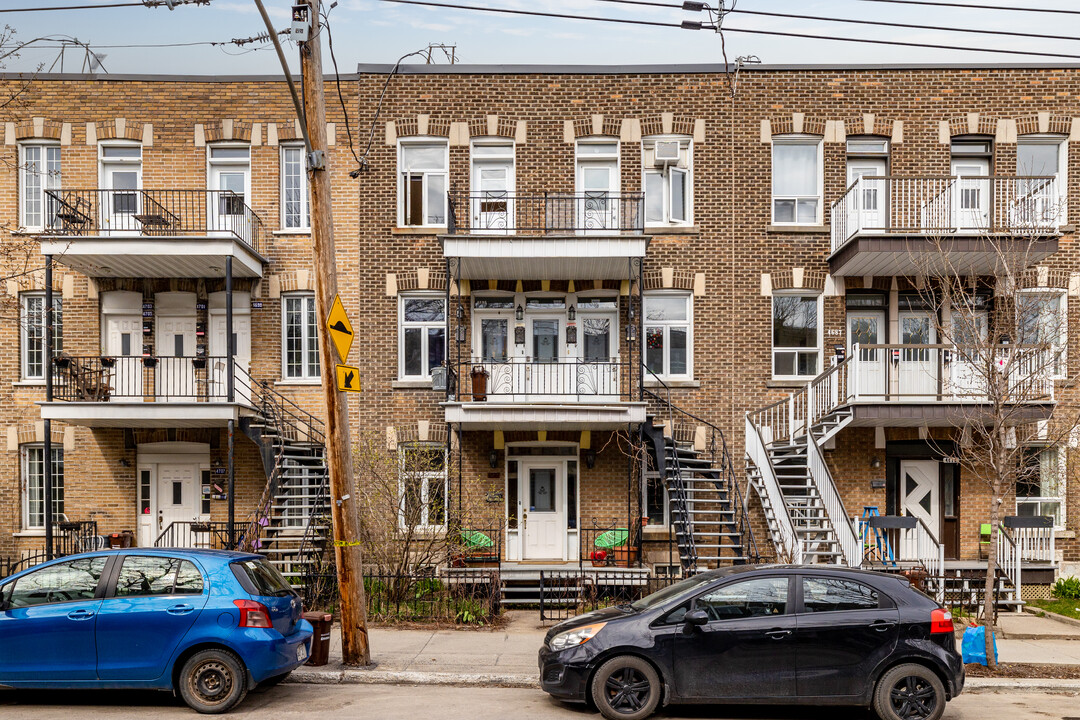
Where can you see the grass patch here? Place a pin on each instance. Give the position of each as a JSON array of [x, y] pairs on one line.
[[1067, 608]]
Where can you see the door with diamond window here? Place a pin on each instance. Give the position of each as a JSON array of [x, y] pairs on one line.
[[920, 493]]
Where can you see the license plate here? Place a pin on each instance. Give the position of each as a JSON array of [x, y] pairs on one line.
[[301, 653]]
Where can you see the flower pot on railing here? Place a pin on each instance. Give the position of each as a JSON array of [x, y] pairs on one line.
[[200, 527], [479, 377], [63, 363], [149, 361], [198, 363], [107, 361]]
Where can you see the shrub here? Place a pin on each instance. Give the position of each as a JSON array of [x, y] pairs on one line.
[[1067, 588]]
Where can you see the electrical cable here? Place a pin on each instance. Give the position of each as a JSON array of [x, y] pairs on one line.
[[508, 11], [148, 4], [378, 110], [337, 81], [938, 3]]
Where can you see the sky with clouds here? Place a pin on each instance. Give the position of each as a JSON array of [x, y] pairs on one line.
[[379, 31]]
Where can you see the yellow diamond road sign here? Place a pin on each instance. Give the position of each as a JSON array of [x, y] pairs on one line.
[[340, 328], [348, 378]]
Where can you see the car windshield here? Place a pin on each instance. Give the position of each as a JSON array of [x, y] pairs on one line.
[[683, 587], [265, 577]]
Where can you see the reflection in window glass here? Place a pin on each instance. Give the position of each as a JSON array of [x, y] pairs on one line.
[[750, 598], [72, 580], [146, 576], [831, 594]]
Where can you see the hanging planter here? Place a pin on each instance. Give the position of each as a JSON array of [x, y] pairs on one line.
[[198, 363], [107, 361], [62, 363], [149, 361]]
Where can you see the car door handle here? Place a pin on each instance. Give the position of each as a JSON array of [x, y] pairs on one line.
[[778, 634], [81, 614], [882, 625], [180, 609]]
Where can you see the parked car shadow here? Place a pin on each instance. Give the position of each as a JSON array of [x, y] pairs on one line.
[[735, 712]]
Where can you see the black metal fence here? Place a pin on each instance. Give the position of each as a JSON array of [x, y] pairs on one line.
[[69, 538], [547, 213], [100, 378], [463, 596], [194, 534], [610, 546], [566, 593], [160, 213]]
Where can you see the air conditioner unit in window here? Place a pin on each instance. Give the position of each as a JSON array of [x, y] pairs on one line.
[[666, 151]]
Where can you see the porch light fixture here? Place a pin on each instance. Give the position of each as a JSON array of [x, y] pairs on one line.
[[590, 459], [519, 314], [493, 459], [571, 313], [875, 463], [460, 312]]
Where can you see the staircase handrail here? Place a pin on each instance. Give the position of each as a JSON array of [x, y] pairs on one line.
[[850, 543], [758, 454], [727, 466], [1008, 558], [801, 409]]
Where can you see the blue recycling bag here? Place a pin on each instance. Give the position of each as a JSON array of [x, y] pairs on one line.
[[973, 646]]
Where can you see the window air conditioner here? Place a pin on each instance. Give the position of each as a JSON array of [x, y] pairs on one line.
[[667, 151]]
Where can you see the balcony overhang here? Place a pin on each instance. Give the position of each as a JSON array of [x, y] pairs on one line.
[[545, 257], [940, 414], [145, 414], [919, 254], [543, 416], [105, 256]]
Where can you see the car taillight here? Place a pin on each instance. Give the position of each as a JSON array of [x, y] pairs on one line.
[[253, 614], [940, 621]]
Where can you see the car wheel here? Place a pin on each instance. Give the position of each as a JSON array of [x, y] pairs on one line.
[[626, 688], [213, 681], [909, 692]]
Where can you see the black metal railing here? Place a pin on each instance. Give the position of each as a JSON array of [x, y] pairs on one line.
[[470, 597], [155, 213], [76, 536], [566, 593], [526, 380], [195, 534], [132, 377], [475, 546], [546, 213], [610, 545]]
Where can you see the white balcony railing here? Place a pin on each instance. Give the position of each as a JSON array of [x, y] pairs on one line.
[[521, 380], [945, 206]]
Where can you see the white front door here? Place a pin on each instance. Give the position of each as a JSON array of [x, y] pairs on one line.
[[123, 339], [543, 490], [917, 375], [175, 346], [872, 200], [867, 328], [597, 373], [227, 204], [217, 366], [177, 494], [121, 179], [598, 183], [491, 205], [971, 194], [920, 492]]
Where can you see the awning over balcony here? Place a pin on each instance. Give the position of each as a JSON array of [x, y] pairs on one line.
[[573, 257], [543, 416]]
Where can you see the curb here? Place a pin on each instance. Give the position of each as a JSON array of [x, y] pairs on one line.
[[977, 686], [1053, 615]]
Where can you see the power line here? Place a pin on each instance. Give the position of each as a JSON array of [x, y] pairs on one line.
[[147, 4], [536, 13], [976, 7]]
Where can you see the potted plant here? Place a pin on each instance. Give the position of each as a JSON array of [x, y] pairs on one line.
[[62, 362], [198, 363], [107, 361], [149, 361], [479, 376], [598, 558], [625, 555]]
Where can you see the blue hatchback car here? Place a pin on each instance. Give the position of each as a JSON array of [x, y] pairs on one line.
[[207, 624]]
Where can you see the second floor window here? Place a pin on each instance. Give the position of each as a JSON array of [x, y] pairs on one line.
[[668, 192], [1040, 489], [1041, 319], [39, 171], [422, 338], [32, 322], [668, 335], [294, 189], [33, 472], [796, 180], [796, 336], [422, 168], [230, 173], [300, 337]]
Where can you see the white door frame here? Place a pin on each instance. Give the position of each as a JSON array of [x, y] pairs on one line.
[[873, 203], [972, 185], [216, 369], [558, 464], [515, 537], [106, 166], [917, 376], [149, 457]]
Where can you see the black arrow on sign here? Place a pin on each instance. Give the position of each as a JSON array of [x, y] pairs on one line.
[[340, 327], [348, 379]]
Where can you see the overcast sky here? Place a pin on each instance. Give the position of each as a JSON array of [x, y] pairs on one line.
[[379, 31]]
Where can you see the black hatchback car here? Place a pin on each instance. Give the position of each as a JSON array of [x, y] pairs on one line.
[[762, 634]]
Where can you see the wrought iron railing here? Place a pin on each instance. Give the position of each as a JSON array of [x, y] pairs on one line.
[[610, 545], [546, 213], [154, 213], [526, 380], [102, 378], [195, 534]]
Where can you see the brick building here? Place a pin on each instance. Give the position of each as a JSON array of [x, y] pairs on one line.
[[571, 286]]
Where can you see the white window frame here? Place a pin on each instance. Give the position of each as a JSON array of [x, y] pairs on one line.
[[425, 478], [819, 350], [424, 326], [686, 144], [305, 211], [222, 163], [788, 140], [103, 161], [1061, 345], [1062, 175], [306, 339], [403, 185], [24, 464], [1060, 498], [481, 314], [25, 327], [667, 325], [45, 180]]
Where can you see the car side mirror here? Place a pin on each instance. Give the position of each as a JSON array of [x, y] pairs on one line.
[[696, 618]]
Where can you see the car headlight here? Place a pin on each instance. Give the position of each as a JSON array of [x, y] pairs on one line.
[[575, 637]]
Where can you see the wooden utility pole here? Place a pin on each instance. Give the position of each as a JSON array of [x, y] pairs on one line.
[[354, 637]]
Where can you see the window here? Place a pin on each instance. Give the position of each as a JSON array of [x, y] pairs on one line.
[[143, 576], [423, 484], [33, 472], [796, 336], [422, 182], [796, 180], [1040, 489], [259, 577], [121, 178], [1039, 157], [301, 339], [597, 182], [39, 171], [422, 336], [492, 185], [230, 181], [832, 594], [69, 581], [492, 316], [1041, 318], [655, 500], [32, 324], [668, 339], [668, 191], [295, 214], [749, 598]]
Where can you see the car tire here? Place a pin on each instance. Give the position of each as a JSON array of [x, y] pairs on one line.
[[909, 692], [213, 681], [626, 688]]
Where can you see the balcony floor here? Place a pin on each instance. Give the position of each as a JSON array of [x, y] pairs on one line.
[[137, 414], [542, 257], [544, 416], [894, 413], [871, 253]]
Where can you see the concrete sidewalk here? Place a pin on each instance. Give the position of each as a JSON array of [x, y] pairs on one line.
[[507, 657]]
